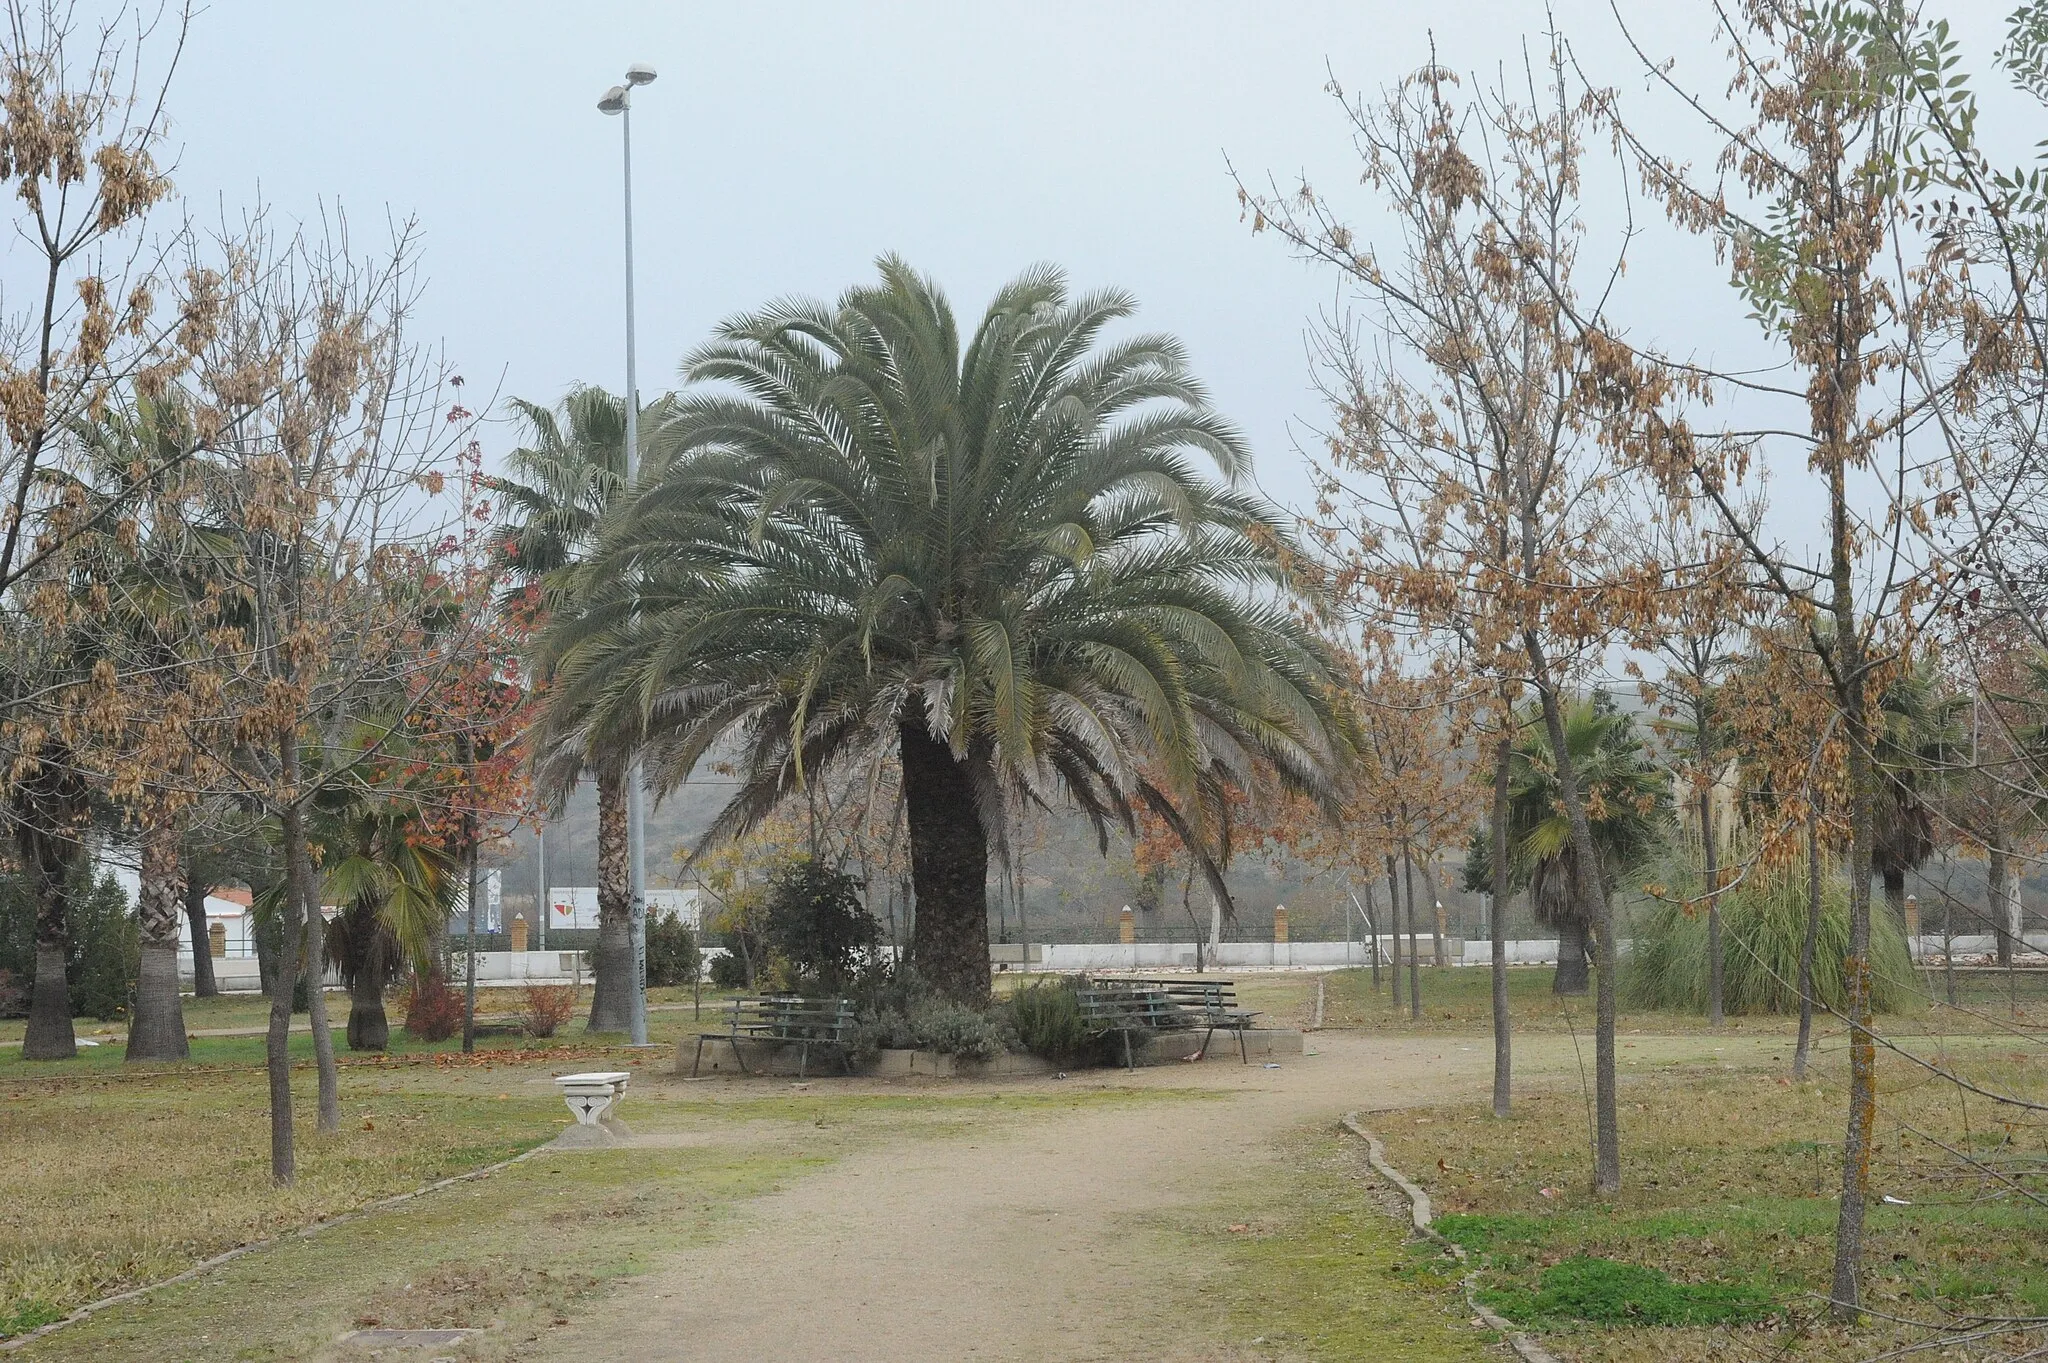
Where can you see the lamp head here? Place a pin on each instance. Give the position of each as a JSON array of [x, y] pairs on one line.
[[639, 73], [614, 101]]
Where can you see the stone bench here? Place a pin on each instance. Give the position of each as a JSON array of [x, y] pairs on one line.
[[591, 1096]]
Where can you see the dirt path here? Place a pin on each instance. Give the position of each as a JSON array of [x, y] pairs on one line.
[[1018, 1245]]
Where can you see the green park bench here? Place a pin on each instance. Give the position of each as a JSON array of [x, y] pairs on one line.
[[1127, 1006], [788, 1019], [1210, 1003]]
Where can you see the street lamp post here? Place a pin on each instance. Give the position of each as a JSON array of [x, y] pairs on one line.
[[619, 100]]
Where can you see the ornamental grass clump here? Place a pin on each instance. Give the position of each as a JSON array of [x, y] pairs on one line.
[[1763, 923]]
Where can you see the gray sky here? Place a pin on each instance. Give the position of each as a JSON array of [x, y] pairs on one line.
[[786, 145]]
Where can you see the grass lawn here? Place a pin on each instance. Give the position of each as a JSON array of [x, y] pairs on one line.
[[1316, 1267], [1729, 1182]]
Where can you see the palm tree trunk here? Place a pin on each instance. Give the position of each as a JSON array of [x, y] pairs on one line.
[[1573, 976], [204, 985], [48, 861], [612, 963], [369, 1029], [948, 867], [157, 1031]]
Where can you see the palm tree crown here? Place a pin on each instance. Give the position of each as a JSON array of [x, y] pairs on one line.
[[1627, 796], [992, 558]]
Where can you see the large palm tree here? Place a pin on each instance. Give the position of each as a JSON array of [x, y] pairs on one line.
[[1626, 793], [555, 490], [866, 538]]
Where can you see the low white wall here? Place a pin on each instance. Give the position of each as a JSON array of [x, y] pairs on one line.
[[494, 969]]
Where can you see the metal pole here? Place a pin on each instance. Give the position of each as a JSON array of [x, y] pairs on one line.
[[541, 907], [636, 799]]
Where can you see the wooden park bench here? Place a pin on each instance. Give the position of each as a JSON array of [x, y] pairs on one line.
[[788, 1019], [1210, 1003]]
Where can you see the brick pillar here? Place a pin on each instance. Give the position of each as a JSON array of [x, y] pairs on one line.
[[1279, 922], [1126, 926]]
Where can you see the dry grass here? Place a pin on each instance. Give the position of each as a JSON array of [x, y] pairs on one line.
[[1730, 1178]]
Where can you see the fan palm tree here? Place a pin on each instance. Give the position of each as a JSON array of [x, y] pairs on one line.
[[556, 489], [991, 559], [395, 888], [1628, 797]]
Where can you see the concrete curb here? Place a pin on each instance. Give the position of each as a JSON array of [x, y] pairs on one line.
[[1422, 1214], [206, 1266]]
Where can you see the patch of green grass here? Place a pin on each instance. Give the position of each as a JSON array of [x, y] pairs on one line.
[[1606, 1292]]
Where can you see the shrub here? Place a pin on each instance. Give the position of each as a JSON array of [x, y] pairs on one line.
[[729, 971], [545, 1008], [433, 1011], [1763, 922], [14, 993], [1046, 1015], [818, 924], [672, 954], [898, 1012]]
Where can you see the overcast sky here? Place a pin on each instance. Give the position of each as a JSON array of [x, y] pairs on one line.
[[785, 146]]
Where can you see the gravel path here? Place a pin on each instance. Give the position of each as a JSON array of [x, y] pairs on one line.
[[1017, 1245]]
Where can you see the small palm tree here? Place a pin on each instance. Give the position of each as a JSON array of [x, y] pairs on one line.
[[868, 538], [556, 490], [395, 888], [1628, 799]]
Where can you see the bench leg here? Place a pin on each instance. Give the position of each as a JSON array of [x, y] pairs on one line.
[[700, 1058], [739, 1054], [803, 1060], [1127, 1049], [1244, 1051]]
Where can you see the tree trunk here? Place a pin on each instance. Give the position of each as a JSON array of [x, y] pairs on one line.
[[1436, 913], [2003, 903], [1808, 943], [204, 985], [301, 882], [1414, 945], [1573, 975], [157, 1030], [1503, 1057], [1712, 863], [1393, 928], [948, 866], [369, 1028], [1846, 1288], [1592, 890], [50, 1035], [612, 963], [277, 1060]]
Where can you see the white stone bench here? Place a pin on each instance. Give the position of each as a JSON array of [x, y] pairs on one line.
[[590, 1096]]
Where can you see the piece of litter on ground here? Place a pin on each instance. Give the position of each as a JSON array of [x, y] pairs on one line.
[[83, 1042], [1272, 1064], [1896, 1201], [1311, 1052], [1547, 1192]]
